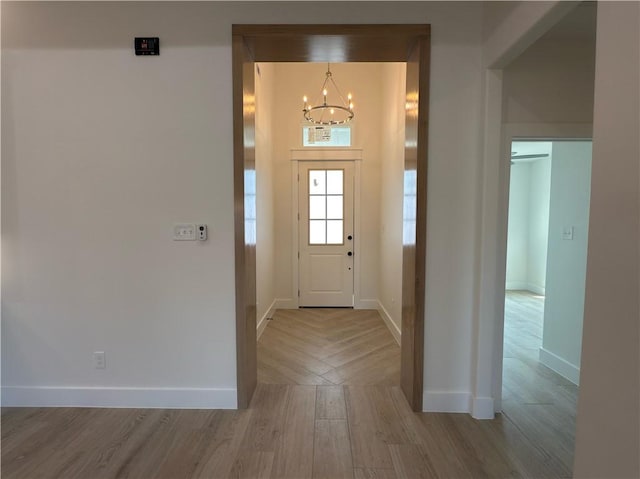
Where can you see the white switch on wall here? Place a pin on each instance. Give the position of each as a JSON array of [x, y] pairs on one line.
[[567, 233], [184, 232], [99, 360]]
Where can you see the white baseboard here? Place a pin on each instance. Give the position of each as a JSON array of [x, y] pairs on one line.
[[366, 304], [446, 402], [560, 365], [165, 398], [285, 303], [262, 323], [534, 288], [524, 286], [386, 317], [497, 405], [482, 408], [516, 285]]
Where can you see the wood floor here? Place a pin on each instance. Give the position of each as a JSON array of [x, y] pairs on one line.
[[312, 430], [328, 347], [539, 402]]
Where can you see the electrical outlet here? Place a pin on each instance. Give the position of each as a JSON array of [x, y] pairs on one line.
[[99, 360]]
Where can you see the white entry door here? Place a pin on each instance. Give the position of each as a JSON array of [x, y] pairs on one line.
[[325, 233]]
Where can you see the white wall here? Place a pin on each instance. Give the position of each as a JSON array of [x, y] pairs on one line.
[[97, 169], [607, 435], [265, 247], [566, 259], [453, 182], [391, 193], [534, 83], [539, 224], [103, 152], [528, 225], [552, 81], [518, 236]]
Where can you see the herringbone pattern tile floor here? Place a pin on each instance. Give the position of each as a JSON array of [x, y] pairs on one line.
[[328, 347]]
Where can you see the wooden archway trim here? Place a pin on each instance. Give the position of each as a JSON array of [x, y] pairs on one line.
[[333, 43]]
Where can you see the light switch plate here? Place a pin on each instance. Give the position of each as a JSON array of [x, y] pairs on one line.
[[567, 233], [99, 360], [184, 232]]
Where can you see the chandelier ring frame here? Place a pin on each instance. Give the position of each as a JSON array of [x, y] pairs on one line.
[[321, 108]]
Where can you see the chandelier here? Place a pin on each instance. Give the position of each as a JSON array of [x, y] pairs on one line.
[[326, 113]]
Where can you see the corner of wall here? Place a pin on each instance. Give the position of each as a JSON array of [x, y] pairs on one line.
[[446, 401], [263, 322], [483, 408], [563, 367]]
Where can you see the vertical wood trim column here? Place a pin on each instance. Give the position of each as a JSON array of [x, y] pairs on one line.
[[414, 247], [245, 247]]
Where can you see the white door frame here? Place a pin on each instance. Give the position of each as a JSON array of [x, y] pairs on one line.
[[326, 154]]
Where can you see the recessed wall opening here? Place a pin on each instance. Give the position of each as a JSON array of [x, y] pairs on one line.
[[264, 44], [545, 279]]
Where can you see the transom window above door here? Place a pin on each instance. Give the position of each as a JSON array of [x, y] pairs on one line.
[[326, 207], [323, 136]]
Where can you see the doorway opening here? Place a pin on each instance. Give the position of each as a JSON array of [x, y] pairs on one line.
[[545, 279], [331, 43]]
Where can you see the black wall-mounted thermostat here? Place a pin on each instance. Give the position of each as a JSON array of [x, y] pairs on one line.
[[147, 45]]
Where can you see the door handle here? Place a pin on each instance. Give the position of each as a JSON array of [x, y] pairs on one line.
[[349, 253], [349, 237]]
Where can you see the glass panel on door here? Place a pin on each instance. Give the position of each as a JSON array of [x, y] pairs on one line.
[[326, 207]]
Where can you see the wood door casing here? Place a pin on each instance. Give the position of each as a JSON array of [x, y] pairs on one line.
[[334, 43], [245, 246], [414, 235]]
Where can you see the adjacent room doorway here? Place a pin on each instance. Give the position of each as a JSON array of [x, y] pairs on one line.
[[545, 278]]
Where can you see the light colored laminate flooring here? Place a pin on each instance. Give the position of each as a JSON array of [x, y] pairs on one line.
[[334, 425], [325, 347]]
